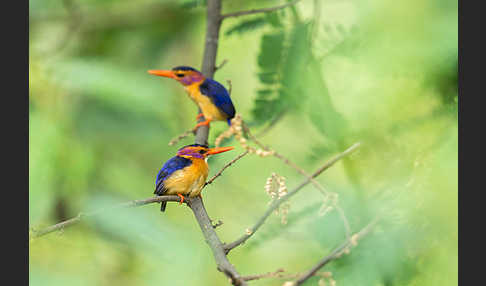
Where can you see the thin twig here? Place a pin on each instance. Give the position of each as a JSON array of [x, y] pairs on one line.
[[276, 203], [256, 11], [220, 65], [316, 184], [226, 166], [264, 275], [134, 203], [230, 86], [337, 252], [180, 137], [279, 273]]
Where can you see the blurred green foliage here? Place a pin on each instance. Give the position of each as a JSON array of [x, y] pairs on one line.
[[324, 74]]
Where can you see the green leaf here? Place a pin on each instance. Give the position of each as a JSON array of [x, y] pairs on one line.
[[267, 77], [246, 26], [274, 19], [271, 49], [265, 93], [320, 108]]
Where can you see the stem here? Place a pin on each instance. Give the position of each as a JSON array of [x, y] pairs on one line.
[[208, 68], [72, 221], [228, 247], [336, 253], [214, 242]]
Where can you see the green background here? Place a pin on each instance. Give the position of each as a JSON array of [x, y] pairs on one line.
[[330, 73]]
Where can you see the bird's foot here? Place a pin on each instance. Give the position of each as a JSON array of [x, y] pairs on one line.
[[182, 198], [199, 116], [206, 122]]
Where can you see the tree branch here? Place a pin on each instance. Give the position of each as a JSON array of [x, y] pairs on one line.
[[180, 137], [228, 247], [209, 58], [256, 11], [264, 275], [279, 273], [316, 184], [226, 166], [135, 203], [208, 68], [220, 65], [213, 241], [336, 253]]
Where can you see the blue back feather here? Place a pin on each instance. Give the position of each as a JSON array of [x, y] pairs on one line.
[[219, 96], [173, 164]]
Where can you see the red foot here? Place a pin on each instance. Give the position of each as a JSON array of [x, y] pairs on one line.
[[182, 198], [199, 116], [201, 124]]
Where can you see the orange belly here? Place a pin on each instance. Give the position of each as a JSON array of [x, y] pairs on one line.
[[188, 181], [209, 110]]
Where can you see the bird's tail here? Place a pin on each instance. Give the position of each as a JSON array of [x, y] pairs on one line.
[[158, 191], [162, 206]]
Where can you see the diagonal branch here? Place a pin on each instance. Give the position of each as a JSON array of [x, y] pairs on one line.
[[316, 184], [80, 216], [279, 273], [220, 65], [276, 273], [256, 11], [225, 166], [336, 253], [301, 277], [214, 242], [228, 247]]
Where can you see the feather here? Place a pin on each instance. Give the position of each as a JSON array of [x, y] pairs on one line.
[[172, 165], [219, 96]]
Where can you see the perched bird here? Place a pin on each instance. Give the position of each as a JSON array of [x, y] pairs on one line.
[[211, 96], [186, 172]]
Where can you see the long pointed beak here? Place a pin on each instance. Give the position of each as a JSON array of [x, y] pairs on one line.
[[217, 150], [165, 73]]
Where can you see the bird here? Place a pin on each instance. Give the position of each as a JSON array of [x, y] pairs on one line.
[[186, 172], [211, 96]]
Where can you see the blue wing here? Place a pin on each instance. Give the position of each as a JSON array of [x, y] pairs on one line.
[[172, 165], [219, 96]]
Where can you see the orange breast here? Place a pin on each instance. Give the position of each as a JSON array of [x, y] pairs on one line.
[[188, 181], [209, 110]]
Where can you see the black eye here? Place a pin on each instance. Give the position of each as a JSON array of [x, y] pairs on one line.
[[179, 74], [202, 151]]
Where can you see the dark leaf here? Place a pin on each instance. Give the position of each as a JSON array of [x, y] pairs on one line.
[[246, 26]]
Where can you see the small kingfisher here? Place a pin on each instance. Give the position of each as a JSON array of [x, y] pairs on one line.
[[211, 96], [186, 172]]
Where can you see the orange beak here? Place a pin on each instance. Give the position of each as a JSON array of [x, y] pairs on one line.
[[165, 73], [217, 150]]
